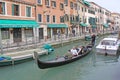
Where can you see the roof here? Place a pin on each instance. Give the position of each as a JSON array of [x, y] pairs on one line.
[[113, 39]]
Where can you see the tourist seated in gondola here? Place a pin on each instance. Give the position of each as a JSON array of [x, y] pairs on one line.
[[79, 48], [71, 53], [74, 51], [83, 50]]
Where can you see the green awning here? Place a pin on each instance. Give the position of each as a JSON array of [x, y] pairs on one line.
[[18, 23], [86, 3], [94, 26], [105, 25], [57, 26], [83, 24], [86, 25]]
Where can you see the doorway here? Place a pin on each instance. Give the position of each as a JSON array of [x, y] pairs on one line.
[[40, 33], [17, 35]]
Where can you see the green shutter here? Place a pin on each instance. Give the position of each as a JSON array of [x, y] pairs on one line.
[[28, 11], [13, 9], [3, 8]]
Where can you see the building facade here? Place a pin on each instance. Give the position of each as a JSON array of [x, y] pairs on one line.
[[30, 21], [17, 21], [115, 21]]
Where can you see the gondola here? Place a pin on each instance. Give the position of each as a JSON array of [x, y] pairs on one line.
[[61, 60]]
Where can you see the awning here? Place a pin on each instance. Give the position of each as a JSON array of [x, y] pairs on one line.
[[94, 26], [105, 25], [86, 24], [86, 3], [83, 24], [18, 23], [57, 26]]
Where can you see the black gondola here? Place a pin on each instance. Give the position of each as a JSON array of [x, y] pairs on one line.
[[61, 60]]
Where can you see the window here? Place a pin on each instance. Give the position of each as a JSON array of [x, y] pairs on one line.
[[2, 8], [77, 18], [82, 9], [54, 18], [39, 18], [61, 19], [28, 32], [15, 10], [53, 4], [47, 3], [66, 17], [71, 18], [66, 2], [71, 5], [75, 6], [39, 2], [48, 18], [5, 33], [78, 7], [28, 11], [85, 10], [61, 6]]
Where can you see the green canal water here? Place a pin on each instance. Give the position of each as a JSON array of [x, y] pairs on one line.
[[91, 67]]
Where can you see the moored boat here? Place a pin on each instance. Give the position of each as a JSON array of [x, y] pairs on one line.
[[108, 46], [60, 60]]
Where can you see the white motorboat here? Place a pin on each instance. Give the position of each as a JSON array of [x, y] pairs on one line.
[[108, 46]]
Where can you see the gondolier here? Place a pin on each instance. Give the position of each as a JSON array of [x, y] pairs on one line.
[[93, 39]]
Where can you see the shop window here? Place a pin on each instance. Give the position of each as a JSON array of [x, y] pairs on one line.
[[62, 30], [5, 33], [29, 32], [54, 31]]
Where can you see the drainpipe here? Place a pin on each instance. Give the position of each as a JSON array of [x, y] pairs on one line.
[[1, 47], [35, 33], [35, 13]]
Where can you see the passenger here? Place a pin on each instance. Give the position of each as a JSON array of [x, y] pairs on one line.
[[84, 49], [79, 49], [74, 51]]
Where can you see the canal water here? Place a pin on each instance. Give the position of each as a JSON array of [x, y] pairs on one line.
[[91, 67]]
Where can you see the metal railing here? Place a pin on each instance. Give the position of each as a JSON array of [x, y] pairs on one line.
[[35, 42]]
